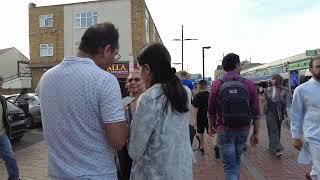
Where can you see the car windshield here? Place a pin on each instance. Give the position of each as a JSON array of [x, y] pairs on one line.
[[11, 98], [11, 107]]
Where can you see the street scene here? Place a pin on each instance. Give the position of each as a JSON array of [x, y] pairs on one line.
[[134, 90], [257, 162]]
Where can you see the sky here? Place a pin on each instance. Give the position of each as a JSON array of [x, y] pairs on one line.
[[260, 30]]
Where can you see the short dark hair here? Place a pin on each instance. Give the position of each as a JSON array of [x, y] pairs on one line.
[[230, 62], [312, 60], [98, 36], [203, 84]]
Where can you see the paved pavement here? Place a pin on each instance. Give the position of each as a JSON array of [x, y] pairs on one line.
[[32, 162], [257, 162], [30, 138]]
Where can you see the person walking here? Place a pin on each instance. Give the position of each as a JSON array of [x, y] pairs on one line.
[[23, 103], [233, 104], [135, 87], [159, 138], [305, 122], [185, 80], [82, 114], [200, 104], [277, 104], [6, 152]]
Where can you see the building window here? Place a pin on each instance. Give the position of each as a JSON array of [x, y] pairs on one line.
[[46, 50], [146, 20], [46, 20], [86, 19]]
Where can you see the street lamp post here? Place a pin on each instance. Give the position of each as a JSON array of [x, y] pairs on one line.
[[182, 40], [203, 48]]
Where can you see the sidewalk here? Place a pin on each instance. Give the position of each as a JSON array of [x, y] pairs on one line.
[[208, 168], [266, 166], [32, 162], [257, 162]]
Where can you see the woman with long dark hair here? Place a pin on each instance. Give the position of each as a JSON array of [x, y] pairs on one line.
[[277, 104], [159, 139]]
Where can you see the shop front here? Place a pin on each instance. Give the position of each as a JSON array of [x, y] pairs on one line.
[[264, 75], [298, 71], [121, 72]]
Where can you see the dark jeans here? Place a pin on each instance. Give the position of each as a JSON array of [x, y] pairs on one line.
[[125, 163], [7, 155], [231, 144]]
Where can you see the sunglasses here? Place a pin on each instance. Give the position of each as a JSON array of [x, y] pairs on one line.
[[134, 79], [117, 57]]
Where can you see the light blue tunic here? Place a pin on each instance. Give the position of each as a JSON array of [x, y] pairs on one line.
[[159, 142]]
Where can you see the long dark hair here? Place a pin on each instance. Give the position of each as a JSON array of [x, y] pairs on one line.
[[279, 80], [158, 58]]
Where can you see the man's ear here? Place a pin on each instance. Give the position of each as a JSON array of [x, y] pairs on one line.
[[107, 50]]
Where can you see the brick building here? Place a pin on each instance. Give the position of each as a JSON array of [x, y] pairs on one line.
[[55, 32]]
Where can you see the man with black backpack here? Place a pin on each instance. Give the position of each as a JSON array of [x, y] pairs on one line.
[[233, 106]]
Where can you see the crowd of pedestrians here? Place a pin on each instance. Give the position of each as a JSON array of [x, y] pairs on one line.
[[93, 133]]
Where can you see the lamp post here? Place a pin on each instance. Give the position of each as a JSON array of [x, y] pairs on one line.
[[182, 40], [203, 48]]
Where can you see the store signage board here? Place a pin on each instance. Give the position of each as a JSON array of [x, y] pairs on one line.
[[311, 53], [299, 65], [121, 68]]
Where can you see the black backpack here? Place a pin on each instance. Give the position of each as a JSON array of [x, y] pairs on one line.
[[234, 102]]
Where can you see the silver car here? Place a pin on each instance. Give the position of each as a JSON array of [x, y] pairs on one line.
[[34, 108]]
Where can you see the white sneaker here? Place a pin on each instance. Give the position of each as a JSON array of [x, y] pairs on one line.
[[279, 154]]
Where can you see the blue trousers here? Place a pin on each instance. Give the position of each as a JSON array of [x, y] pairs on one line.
[[7, 155], [231, 144]]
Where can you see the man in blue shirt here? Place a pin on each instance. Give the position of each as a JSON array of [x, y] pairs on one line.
[[305, 117], [185, 81]]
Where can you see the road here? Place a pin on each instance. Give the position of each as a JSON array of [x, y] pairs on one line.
[[32, 137]]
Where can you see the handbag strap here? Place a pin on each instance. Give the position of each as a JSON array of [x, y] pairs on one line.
[[130, 113]]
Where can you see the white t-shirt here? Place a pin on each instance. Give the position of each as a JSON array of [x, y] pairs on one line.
[[274, 90], [77, 98]]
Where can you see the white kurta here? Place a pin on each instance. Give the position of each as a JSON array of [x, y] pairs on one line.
[[305, 117]]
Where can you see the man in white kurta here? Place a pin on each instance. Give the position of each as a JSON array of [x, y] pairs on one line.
[[305, 117]]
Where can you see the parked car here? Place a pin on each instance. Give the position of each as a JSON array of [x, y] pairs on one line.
[[16, 121], [34, 108]]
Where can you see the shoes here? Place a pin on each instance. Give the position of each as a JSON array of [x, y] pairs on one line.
[[217, 152], [307, 176], [202, 151], [279, 154], [245, 148]]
